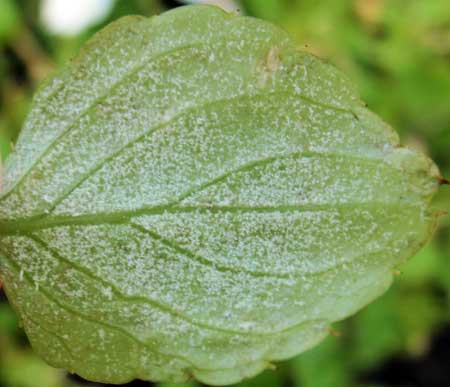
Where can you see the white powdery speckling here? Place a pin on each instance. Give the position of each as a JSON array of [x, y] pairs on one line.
[[195, 192]]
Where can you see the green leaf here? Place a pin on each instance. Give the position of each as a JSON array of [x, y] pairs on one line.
[[9, 19], [192, 196], [326, 365]]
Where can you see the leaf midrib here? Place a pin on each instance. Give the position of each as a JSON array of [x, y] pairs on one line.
[[27, 225]]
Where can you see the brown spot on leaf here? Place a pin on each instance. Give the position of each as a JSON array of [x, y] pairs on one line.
[[334, 332], [270, 64]]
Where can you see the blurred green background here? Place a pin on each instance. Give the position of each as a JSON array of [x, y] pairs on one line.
[[398, 53]]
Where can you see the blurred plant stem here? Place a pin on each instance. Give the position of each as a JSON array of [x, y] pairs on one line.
[[35, 59]]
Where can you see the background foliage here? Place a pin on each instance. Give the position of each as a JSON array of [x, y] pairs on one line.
[[398, 53]]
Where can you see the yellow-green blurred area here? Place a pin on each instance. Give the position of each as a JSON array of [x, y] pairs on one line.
[[398, 53]]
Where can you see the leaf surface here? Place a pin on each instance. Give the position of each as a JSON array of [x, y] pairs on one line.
[[193, 196]]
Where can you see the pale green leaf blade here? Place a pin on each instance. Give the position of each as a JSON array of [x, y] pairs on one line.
[[194, 197]]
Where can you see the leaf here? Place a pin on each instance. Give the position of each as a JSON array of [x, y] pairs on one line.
[[193, 196], [308, 370], [9, 20]]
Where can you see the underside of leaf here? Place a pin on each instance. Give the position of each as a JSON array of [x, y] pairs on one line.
[[192, 196]]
